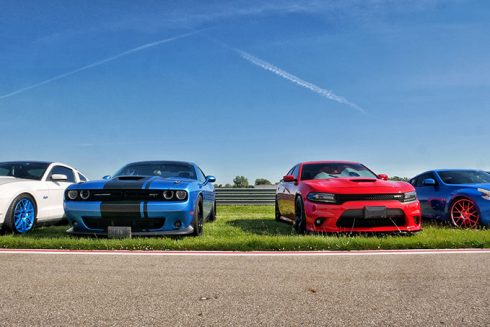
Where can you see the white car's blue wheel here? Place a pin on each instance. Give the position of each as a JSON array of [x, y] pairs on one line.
[[22, 215]]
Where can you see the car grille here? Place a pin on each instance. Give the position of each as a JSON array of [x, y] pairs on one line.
[[342, 198], [126, 195], [355, 218], [136, 223]]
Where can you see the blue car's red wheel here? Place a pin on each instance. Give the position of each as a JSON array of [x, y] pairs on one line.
[[464, 213]]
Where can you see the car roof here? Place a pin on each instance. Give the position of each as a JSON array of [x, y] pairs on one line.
[[154, 162], [447, 169], [28, 161], [328, 161]]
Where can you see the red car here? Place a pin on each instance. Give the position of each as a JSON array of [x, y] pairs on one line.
[[335, 196]]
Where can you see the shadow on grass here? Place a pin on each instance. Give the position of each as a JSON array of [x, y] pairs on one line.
[[262, 226]]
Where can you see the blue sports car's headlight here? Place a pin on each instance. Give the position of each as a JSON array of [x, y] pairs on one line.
[[321, 197], [181, 195], [485, 193], [72, 194], [410, 197]]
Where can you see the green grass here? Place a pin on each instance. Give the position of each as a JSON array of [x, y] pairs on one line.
[[252, 228]]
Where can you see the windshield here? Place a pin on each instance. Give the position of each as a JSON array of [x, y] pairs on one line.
[[464, 177], [335, 170], [164, 170], [26, 170]]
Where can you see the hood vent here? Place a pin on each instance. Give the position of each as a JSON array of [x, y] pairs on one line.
[[130, 178], [364, 180]]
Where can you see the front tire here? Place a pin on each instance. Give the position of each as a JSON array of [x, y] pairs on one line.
[[198, 221], [300, 220], [21, 215], [464, 213]]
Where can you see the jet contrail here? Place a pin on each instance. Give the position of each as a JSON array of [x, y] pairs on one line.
[[97, 63], [295, 79]]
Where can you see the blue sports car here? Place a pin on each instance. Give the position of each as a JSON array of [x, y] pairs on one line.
[[461, 197], [151, 198]]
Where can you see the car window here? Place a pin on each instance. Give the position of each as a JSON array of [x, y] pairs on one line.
[[413, 181], [63, 171], [82, 178], [200, 175], [295, 172]]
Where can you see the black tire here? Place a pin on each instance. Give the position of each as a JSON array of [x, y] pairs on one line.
[[300, 217], [277, 212], [9, 223], [198, 221], [212, 214]]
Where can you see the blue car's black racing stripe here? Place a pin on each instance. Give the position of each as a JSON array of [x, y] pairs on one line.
[[111, 211]]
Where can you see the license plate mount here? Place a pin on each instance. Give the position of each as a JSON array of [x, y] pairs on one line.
[[119, 232], [374, 212]]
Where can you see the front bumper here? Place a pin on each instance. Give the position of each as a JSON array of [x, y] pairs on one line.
[[349, 217], [144, 218]]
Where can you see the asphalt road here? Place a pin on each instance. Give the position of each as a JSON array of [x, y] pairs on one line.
[[383, 290]]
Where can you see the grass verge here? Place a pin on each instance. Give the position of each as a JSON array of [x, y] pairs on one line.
[[252, 228]]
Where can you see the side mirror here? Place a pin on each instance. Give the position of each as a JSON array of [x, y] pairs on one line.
[[107, 177], [383, 177], [59, 178], [289, 178], [429, 182], [210, 179]]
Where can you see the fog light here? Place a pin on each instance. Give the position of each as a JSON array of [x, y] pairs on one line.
[[416, 219], [178, 224], [319, 221]]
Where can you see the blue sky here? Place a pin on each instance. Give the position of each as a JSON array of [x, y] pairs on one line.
[[419, 70]]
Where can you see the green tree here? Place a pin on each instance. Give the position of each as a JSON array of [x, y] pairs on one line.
[[399, 179], [262, 181], [240, 181]]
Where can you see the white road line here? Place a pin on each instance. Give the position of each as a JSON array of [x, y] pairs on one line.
[[245, 254]]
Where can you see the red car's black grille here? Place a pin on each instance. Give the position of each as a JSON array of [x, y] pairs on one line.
[[354, 218], [137, 223], [342, 198]]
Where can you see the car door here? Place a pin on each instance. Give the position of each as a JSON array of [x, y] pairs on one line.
[[290, 194], [427, 195], [282, 195], [207, 191], [57, 190]]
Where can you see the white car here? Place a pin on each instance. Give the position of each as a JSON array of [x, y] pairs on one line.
[[32, 192]]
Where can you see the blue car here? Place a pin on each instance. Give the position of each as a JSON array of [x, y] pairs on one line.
[[460, 196], [150, 198]]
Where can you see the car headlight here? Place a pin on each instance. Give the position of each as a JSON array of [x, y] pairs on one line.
[[85, 194], [321, 197], [410, 197], [168, 195], [181, 195], [72, 194], [485, 193]]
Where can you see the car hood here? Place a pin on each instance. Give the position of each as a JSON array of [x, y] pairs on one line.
[[9, 180], [136, 183], [358, 185]]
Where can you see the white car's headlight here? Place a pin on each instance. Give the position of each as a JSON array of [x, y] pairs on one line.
[[485, 193], [321, 197]]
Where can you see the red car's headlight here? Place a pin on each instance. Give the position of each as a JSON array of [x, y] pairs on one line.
[[321, 197]]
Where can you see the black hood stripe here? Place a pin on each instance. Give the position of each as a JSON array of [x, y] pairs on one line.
[[114, 210]]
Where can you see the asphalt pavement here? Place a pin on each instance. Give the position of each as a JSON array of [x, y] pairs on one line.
[[372, 290]]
